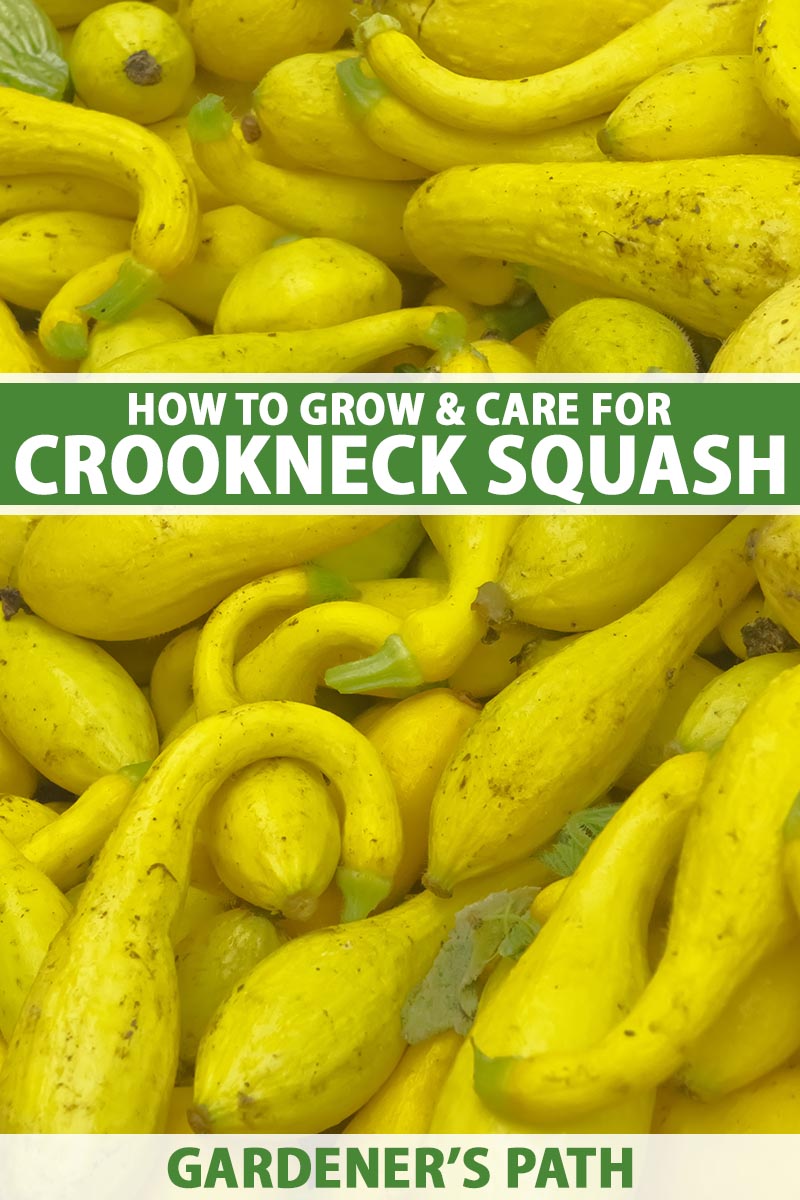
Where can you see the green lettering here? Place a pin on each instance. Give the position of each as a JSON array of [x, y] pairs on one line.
[[608, 1167], [256, 1167], [396, 1167], [220, 1168], [182, 1173], [428, 1167], [287, 1155], [326, 1165], [480, 1172], [519, 1161], [551, 1168], [581, 1154], [360, 1168]]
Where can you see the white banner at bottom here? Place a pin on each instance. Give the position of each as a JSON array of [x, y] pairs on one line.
[[656, 1167]]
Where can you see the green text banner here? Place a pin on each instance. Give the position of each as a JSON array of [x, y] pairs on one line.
[[406, 442]]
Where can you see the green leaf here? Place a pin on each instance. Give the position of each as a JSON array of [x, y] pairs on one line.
[[519, 935], [564, 854], [499, 926], [30, 51]]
